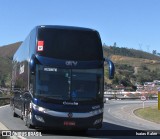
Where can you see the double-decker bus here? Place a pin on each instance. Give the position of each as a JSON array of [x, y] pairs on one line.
[[58, 78]]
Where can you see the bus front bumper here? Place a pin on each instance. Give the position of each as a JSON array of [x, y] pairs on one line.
[[67, 121]]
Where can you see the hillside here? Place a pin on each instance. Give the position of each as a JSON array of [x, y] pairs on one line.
[[136, 62], [131, 65], [9, 50], [111, 50], [6, 53]]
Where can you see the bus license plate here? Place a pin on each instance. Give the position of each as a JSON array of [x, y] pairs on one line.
[[69, 123]]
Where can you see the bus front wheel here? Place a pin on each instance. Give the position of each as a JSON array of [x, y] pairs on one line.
[[28, 121]]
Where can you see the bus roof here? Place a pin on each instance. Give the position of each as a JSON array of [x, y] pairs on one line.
[[65, 27]]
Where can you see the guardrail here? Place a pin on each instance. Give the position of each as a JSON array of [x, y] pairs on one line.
[[127, 98], [4, 100]]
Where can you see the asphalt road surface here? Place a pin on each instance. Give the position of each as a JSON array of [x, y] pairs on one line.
[[119, 122]]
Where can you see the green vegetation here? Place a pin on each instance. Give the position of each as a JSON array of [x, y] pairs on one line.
[[149, 113], [126, 75], [4, 102]]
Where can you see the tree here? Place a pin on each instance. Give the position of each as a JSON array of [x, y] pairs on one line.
[[115, 44], [154, 52], [115, 80]]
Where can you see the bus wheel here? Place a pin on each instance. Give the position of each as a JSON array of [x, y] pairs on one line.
[[13, 111], [28, 123], [21, 115], [30, 126], [25, 117]]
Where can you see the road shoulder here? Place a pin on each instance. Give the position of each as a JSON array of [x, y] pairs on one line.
[[3, 127]]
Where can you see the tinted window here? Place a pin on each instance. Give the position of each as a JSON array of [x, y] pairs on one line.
[[67, 84], [70, 44]]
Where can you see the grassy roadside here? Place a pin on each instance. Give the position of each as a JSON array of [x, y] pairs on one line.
[[150, 113]]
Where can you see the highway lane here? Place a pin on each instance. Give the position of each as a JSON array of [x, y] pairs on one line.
[[121, 113], [117, 116]]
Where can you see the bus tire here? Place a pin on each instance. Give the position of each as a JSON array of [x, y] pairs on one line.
[[21, 115], [13, 112], [29, 125]]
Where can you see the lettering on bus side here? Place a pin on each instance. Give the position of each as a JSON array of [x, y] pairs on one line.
[[71, 63], [21, 70]]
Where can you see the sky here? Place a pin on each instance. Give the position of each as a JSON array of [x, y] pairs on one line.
[[130, 23]]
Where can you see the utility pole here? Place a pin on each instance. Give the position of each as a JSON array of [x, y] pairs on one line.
[[148, 46], [140, 46]]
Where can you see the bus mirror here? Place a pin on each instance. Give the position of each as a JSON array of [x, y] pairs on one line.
[[32, 64], [111, 68]]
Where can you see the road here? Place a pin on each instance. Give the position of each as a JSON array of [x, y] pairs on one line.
[[118, 119]]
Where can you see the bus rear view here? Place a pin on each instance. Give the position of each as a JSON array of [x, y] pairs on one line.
[[65, 78]]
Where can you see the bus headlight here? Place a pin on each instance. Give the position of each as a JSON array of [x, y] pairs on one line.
[[38, 108], [98, 111]]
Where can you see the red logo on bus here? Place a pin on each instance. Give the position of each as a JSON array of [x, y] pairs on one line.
[[40, 46]]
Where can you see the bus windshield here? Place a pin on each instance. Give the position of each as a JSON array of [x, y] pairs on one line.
[[69, 84]]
